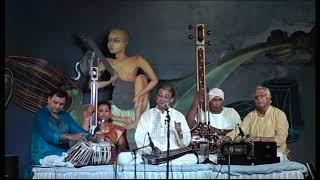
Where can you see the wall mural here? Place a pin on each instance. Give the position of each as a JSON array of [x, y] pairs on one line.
[[8, 80], [33, 77]]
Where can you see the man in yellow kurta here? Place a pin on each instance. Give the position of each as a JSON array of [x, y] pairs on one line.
[[265, 123]]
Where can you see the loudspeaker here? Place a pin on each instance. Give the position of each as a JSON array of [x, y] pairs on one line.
[[265, 153], [11, 170], [312, 173]]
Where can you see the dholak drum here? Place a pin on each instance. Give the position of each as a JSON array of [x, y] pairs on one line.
[[89, 153], [80, 154], [101, 153]]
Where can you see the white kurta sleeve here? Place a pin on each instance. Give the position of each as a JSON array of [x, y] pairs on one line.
[[186, 135], [236, 116], [141, 136]]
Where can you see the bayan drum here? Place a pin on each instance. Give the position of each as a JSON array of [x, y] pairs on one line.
[[80, 154]]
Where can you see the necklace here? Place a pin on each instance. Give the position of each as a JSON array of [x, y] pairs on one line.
[[106, 127], [260, 114]]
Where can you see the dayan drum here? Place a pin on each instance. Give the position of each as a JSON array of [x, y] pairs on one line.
[[101, 153], [89, 153]]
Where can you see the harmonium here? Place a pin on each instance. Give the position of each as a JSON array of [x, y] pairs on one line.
[[248, 153]]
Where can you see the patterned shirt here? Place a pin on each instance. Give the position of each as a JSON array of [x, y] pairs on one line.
[[154, 122]]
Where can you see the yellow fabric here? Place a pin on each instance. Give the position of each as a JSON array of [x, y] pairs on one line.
[[273, 124]]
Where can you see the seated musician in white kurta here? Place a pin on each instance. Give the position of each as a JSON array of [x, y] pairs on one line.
[[221, 118], [153, 122]]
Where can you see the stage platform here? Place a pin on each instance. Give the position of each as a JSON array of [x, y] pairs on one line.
[[283, 170]]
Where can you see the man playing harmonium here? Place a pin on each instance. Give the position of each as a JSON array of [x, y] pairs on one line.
[[266, 123], [152, 128], [221, 119]]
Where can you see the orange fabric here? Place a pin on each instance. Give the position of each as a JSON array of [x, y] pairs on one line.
[[114, 133]]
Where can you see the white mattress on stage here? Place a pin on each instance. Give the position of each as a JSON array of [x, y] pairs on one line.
[[283, 170]]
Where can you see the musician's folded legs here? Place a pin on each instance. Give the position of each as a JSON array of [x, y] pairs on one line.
[[186, 159], [282, 156], [212, 157], [125, 158]]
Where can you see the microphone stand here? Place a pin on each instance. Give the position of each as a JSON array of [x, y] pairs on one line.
[[168, 141], [229, 154], [229, 164], [135, 159]]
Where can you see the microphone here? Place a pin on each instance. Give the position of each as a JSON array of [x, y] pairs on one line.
[[241, 132], [151, 143]]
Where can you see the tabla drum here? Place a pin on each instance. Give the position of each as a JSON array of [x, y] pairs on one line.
[[86, 153], [80, 154], [101, 153]]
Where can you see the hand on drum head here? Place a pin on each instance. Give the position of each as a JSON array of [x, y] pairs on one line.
[[98, 136]]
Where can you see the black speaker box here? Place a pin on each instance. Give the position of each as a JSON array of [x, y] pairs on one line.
[[265, 153]]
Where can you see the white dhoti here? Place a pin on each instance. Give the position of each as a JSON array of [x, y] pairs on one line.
[[212, 157], [128, 158], [282, 156]]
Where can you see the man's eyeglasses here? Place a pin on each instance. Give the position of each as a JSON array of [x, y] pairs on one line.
[[260, 96]]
